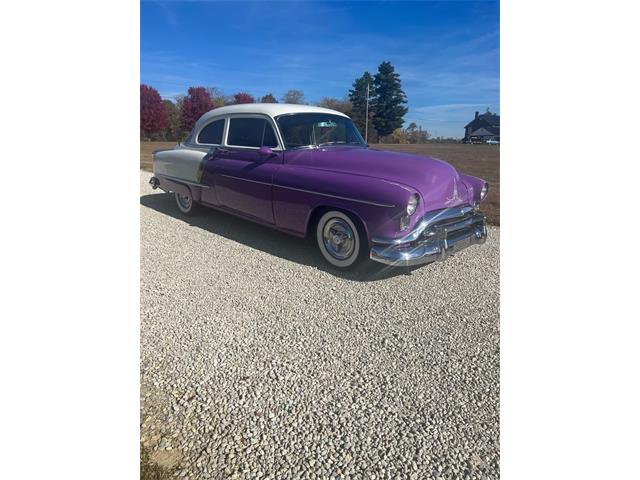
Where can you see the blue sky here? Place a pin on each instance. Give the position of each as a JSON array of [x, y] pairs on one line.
[[447, 52]]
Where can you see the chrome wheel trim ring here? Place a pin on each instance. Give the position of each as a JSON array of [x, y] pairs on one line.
[[338, 238], [184, 202], [326, 218]]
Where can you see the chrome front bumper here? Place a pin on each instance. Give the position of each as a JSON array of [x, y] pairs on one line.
[[436, 236]]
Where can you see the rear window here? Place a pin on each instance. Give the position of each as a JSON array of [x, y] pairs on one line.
[[251, 132], [212, 133]]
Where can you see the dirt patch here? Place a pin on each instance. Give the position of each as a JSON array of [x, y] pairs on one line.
[[160, 465]]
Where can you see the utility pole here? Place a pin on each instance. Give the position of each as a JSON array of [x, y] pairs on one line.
[[366, 118]]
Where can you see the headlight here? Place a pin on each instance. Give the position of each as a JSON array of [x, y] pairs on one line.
[[484, 191], [413, 204]]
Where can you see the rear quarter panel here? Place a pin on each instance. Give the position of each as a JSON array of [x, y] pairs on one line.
[[182, 163]]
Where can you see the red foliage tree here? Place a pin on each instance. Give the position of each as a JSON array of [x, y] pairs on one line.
[[196, 103], [153, 118], [243, 97]]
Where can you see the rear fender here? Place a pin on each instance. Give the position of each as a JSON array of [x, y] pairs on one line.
[[181, 162], [169, 185]]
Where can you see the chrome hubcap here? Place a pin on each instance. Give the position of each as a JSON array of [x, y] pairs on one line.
[[184, 201], [339, 238]]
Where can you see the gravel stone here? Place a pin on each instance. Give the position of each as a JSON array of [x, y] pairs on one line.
[[258, 360]]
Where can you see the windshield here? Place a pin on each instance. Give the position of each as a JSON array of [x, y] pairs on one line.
[[318, 129]]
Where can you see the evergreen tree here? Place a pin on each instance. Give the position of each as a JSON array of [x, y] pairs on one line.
[[358, 99], [390, 100]]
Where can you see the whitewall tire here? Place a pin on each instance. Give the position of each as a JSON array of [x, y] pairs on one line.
[[185, 203], [338, 239]]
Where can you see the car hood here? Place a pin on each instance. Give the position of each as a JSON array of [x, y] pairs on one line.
[[438, 183]]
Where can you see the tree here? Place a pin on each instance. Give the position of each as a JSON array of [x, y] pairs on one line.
[[172, 130], [390, 100], [293, 96], [415, 134], [343, 105], [153, 118], [218, 98], [412, 134], [358, 99], [194, 105], [399, 136], [243, 97], [268, 98]]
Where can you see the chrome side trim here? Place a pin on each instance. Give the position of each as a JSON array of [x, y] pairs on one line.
[[367, 202], [180, 180], [428, 219], [245, 179], [161, 150]]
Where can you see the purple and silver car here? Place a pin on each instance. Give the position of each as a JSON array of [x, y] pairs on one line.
[[307, 171]]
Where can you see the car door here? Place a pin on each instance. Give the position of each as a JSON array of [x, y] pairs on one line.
[[243, 175]]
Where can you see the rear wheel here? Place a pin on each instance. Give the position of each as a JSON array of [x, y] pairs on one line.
[[185, 203], [339, 239]]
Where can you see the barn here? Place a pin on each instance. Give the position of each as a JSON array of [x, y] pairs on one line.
[[482, 128]]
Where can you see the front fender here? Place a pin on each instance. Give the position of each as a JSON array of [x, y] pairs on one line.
[[474, 186], [299, 191]]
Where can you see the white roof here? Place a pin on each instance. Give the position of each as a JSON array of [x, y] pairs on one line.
[[270, 109]]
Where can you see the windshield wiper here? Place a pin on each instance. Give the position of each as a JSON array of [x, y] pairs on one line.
[[339, 143]]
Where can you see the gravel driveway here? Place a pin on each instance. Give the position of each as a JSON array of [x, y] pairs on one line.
[[258, 361]]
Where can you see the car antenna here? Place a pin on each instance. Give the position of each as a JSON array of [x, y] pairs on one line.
[[366, 118]]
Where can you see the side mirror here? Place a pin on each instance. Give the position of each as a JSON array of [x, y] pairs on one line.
[[265, 151]]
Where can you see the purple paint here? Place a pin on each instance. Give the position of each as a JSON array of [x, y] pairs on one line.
[[283, 189]]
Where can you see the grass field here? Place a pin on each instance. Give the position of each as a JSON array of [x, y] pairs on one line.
[[480, 160]]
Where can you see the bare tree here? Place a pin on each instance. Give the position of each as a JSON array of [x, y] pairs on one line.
[[343, 105], [293, 96]]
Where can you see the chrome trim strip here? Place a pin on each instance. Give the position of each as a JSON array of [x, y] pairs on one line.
[[245, 179], [428, 219], [180, 180], [367, 202], [375, 204]]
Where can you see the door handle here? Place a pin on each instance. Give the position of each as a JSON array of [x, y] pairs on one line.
[[213, 151]]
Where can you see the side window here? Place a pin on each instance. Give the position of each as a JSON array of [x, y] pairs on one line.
[[269, 139], [212, 133], [251, 132]]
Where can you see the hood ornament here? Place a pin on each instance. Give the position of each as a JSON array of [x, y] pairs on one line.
[[455, 197]]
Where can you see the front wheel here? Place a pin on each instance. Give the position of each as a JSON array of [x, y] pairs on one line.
[[339, 239]]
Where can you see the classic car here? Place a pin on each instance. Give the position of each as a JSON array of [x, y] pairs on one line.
[[307, 171]]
